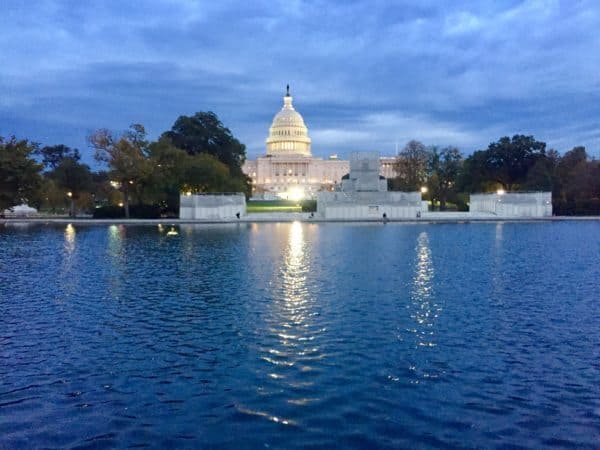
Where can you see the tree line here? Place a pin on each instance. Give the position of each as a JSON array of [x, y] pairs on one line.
[[515, 164], [198, 154]]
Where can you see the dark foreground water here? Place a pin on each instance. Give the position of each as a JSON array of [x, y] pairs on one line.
[[300, 336]]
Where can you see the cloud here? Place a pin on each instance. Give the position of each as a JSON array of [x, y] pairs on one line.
[[364, 74], [387, 131], [462, 22]]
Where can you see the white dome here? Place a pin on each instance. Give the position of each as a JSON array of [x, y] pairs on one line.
[[288, 135], [288, 116]]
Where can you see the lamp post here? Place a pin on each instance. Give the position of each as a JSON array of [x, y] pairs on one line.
[[71, 204], [423, 195]]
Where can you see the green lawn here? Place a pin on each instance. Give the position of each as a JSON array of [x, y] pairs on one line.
[[273, 206]]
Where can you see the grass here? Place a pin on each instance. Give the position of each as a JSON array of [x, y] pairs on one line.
[[273, 206]]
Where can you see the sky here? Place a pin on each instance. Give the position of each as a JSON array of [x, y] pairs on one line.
[[365, 75]]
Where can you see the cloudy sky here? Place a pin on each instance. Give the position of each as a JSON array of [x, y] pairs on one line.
[[366, 75]]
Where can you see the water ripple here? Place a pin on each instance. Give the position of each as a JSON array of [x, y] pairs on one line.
[[300, 335]]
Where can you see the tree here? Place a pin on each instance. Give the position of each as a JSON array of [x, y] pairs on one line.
[[169, 165], [53, 196], [473, 176], [175, 171], [54, 154], [444, 168], [73, 178], [411, 167], [577, 183], [205, 174], [103, 192], [508, 161], [540, 176], [126, 157], [20, 176], [204, 133]]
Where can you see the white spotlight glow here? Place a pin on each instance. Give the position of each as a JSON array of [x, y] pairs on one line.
[[295, 194]]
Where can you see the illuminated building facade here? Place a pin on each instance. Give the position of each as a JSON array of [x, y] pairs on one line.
[[288, 170]]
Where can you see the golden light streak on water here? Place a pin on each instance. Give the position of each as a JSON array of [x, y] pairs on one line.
[[70, 238]]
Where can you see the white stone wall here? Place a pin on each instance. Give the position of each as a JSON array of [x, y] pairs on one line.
[[513, 204], [212, 206], [369, 205], [364, 172], [370, 211]]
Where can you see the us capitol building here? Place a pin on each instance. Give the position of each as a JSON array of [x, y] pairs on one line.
[[288, 170]]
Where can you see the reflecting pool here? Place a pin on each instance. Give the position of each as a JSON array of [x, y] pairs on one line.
[[297, 335]]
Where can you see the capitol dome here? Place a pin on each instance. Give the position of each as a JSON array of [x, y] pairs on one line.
[[288, 135]]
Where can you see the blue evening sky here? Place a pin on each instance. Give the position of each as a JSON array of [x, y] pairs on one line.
[[366, 75]]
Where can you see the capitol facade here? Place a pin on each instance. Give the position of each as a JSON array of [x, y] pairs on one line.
[[288, 170]]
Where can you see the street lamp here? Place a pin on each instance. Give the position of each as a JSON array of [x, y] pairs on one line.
[[71, 205]]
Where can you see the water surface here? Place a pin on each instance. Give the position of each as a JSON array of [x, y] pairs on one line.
[[301, 335]]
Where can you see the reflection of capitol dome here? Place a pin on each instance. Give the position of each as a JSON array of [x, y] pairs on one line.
[[288, 135]]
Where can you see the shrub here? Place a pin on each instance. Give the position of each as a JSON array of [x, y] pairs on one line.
[[577, 207], [145, 211], [461, 201], [135, 212], [109, 212], [309, 205]]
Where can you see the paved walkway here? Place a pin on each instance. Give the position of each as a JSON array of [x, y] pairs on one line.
[[427, 217]]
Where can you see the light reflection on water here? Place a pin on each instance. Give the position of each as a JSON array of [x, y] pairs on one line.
[[116, 234], [68, 266], [116, 255], [70, 238], [499, 228], [424, 307], [497, 269], [295, 270], [290, 348], [292, 336]]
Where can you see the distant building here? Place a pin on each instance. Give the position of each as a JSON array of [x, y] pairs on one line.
[[288, 170], [386, 166]]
